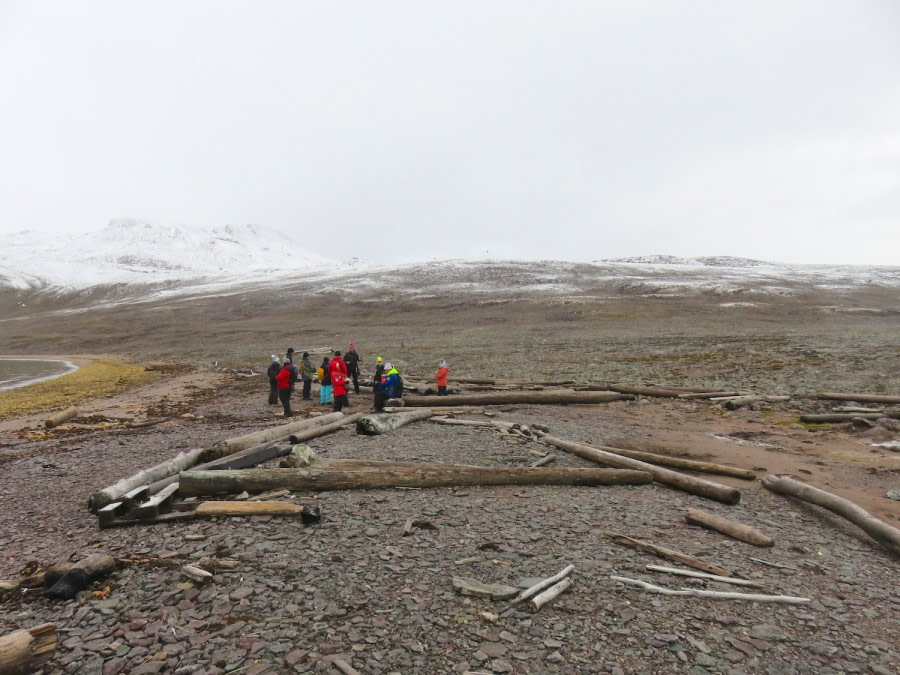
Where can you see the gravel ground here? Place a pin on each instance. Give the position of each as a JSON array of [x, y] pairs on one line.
[[354, 588]]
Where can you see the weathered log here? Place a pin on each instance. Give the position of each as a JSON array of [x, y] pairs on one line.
[[197, 574], [862, 398], [425, 475], [534, 589], [452, 421], [345, 667], [551, 397], [645, 391], [718, 595], [281, 432], [856, 409], [445, 410], [710, 394], [543, 461], [61, 417], [703, 575], [676, 556], [475, 587], [734, 529], [835, 418], [22, 651], [212, 509], [680, 481], [474, 380], [322, 430], [81, 574], [166, 469], [242, 459], [382, 423], [735, 402], [884, 534], [551, 593], [680, 463]]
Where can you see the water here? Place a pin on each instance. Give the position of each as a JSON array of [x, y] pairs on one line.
[[22, 372]]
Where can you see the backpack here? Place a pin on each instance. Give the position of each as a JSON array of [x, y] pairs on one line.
[[320, 373]]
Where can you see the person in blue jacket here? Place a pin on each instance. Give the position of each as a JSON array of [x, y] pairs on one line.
[[392, 386]]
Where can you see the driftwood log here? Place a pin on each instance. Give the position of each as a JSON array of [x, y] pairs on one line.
[[884, 534], [233, 482], [382, 423], [281, 432], [718, 595], [703, 575], [551, 593], [212, 509], [80, 575], [681, 463], [645, 391], [835, 418], [673, 555], [445, 410], [544, 584], [680, 481], [733, 529], [551, 397], [22, 651], [61, 417], [862, 398], [474, 587], [156, 473], [324, 429]]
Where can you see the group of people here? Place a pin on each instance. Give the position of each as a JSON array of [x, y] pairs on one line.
[[335, 375]]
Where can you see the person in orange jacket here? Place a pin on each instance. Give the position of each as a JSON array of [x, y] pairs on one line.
[[441, 377]]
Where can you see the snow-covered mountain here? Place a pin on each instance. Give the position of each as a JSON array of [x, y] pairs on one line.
[[135, 261], [129, 251]]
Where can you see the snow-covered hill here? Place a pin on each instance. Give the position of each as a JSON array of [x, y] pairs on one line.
[[129, 251], [132, 260]]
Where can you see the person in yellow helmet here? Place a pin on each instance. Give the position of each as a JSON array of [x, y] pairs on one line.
[[378, 402]]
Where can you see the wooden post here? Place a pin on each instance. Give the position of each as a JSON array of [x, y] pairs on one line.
[[22, 651], [425, 475], [680, 481], [61, 417], [884, 534]]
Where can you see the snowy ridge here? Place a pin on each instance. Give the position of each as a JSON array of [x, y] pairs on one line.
[[129, 251]]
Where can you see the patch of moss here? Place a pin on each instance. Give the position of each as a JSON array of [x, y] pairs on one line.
[[101, 377]]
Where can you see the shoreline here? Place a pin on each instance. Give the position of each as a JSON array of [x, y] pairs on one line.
[[70, 367]]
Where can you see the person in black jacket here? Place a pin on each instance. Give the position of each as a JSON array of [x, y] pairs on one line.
[[376, 384], [351, 358], [272, 372]]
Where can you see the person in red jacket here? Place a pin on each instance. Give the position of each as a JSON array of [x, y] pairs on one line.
[[441, 377], [339, 382], [337, 366], [283, 380]]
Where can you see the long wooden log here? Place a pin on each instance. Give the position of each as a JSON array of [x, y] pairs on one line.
[[645, 391], [671, 554], [281, 432], [22, 651], [551, 397], [211, 509], [445, 410], [835, 418], [234, 482], [81, 574], [373, 425], [680, 481], [867, 398], [718, 595], [680, 463], [884, 534], [61, 417], [162, 470], [323, 429], [734, 529], [710, 394], [703, 575]]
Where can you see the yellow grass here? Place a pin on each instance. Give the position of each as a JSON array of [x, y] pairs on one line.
[[96, 379]]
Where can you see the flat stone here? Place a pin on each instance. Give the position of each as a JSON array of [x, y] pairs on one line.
[[766, 631]]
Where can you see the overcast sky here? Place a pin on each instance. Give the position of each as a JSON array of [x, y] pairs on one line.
[[412, 130]]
